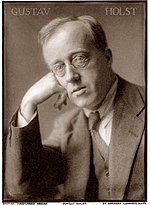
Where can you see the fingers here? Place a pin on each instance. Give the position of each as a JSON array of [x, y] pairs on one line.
[[43, 89], [61, 100]]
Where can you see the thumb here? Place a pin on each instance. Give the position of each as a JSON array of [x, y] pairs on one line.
[[61, 99]]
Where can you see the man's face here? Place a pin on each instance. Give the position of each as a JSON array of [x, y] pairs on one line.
[[82, 69]]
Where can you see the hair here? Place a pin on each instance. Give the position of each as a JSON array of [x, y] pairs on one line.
[[95, 29]]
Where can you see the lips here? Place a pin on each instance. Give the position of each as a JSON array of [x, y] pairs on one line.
[[79, 91]]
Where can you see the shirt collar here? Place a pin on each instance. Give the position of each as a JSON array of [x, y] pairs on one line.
[[107, 105]]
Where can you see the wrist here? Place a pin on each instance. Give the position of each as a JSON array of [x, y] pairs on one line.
[[27, 109]]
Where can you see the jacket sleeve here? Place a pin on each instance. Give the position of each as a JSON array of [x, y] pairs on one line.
[[30, 168]]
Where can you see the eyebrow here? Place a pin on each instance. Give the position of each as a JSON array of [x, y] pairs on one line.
[[71, 53]]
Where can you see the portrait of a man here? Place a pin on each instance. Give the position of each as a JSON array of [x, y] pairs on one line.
[[96, 149]]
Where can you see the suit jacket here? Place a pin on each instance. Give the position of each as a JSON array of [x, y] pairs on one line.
[[59, 169]]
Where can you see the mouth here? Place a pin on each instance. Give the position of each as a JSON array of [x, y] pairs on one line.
[[79, 91]]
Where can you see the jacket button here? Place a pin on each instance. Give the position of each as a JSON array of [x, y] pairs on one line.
[[108, 191], [107, 173]]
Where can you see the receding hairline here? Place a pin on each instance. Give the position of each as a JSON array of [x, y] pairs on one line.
[[64, 24], [91, 24], [67, 27]]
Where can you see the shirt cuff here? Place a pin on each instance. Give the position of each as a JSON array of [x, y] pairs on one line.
[[22, 121]]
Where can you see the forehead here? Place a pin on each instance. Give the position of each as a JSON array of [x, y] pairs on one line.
[[74, 30], [69, 38]]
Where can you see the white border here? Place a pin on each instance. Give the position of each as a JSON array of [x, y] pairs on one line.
[[148, 114]]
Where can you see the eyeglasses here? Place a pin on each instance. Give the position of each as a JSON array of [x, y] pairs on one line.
[[78, 61]]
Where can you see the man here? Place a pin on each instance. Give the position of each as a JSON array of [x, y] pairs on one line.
[[95, 152]]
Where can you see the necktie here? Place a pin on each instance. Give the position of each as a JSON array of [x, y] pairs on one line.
[[92, 185], [94, 119]]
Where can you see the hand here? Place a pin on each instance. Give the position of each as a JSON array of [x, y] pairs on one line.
[[41, 91]]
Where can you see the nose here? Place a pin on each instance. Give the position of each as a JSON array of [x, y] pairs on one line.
[[71, 74]]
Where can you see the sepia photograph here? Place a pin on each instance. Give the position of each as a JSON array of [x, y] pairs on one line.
[[74, 101]]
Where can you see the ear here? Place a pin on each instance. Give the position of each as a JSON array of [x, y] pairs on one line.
[[108, 55]]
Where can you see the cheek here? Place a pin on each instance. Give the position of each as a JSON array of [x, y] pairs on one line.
[[90, 78], [62, 82]]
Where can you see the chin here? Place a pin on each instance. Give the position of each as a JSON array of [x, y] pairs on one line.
[[78, 104], [82, 103]]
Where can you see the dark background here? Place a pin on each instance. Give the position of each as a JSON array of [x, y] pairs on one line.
[[24, 64]]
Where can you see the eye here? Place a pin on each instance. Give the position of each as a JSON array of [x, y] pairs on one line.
[[80, 60], [59, 69]]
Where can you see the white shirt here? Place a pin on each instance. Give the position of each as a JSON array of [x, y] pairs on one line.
[[106, 111], [21, 121]]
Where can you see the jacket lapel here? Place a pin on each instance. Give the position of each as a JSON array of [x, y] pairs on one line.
[[126, 136], [78, 158]]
